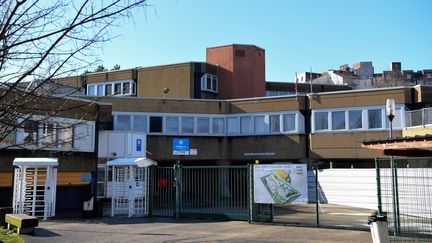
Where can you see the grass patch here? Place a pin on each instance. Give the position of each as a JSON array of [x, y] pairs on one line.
[[8, 236]]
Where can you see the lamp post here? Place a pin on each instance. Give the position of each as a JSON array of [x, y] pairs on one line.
[[391, 111]]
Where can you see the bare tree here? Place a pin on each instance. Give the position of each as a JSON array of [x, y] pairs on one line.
[[41, 41]]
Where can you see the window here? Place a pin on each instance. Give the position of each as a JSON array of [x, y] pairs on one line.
[[321, 121], [261, 124], [187, 124], [355, 119], [90, 90], [172, 124], [117, 88], [375, 118], [338, 120], [218, 126], [123, 123], [209, 83], [246, 125], [408, 76], [140, 123], [49, 135], [240, 53], [156, 124], [108, 89], [31, 133], [233, 126], [100, 90], [203, 125], [289, 122], [274, 123], [65, 136], [126, 88]]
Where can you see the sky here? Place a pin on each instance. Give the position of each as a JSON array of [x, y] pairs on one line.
[[297, 34]]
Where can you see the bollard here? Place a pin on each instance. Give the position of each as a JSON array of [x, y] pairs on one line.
[[378, 227]]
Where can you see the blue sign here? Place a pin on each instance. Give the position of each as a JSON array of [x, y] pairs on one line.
[[139, 145], [181, 146]]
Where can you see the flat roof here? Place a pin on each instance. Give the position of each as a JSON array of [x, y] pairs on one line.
[[35, 162], [417, 146]]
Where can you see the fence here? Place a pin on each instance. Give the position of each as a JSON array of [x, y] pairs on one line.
[[418, 117], [405, 195]]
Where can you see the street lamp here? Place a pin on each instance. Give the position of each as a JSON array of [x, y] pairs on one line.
[[390, 111]]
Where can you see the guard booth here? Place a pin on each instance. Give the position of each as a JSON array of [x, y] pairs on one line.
[[34, 190], [129, 186]]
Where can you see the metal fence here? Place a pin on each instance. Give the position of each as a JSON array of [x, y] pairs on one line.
[[418, 117], [405, 195]]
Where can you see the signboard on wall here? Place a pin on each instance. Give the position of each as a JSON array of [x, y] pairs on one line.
[[180, 146], [280, 184]]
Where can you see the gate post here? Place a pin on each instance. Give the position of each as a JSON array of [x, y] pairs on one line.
[[378, 181], [250, 193], [177, 184]]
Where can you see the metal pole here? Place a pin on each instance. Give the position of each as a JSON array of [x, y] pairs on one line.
[[378, 179], [316, 196], [394, 184]]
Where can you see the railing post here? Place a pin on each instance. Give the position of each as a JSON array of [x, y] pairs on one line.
[[317, 195], [378, 181], [177, 178]]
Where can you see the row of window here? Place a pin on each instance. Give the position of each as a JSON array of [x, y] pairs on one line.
[[65, 134], [209, 83], [218, 125], [112, 88], [355, 119]]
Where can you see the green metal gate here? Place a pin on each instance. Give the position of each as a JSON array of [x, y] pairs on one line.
[[220, 192]]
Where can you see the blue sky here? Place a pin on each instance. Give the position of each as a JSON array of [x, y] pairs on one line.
[[295, 34]]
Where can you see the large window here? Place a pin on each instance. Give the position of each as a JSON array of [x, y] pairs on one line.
[[218, 126], [261, 124], [375, 118], [246, 125], [31, 133], [108, 89], [203, 125], [289, 122], [233, 126], [355, 119], [65, 137], [140, 123], [123, 123], [209, 83], [49, 135], [172, 124], [321, 121], [156, 124], [338, 120], [274, 123], [187, 124], [91, 90]]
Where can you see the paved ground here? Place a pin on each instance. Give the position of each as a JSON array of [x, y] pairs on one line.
[[184, 230], [329, 215]]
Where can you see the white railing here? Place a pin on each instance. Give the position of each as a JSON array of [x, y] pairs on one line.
[[418, 117]]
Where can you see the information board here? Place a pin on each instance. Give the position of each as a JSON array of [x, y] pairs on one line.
[[180, 146], [280, 184]]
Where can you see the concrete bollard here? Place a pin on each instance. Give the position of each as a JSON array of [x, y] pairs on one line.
[[379, 228]]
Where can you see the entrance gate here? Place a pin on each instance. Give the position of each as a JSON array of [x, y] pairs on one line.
[[34, 191], [221, 192], [130, 187]]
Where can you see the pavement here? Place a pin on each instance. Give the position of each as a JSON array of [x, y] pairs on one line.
[[183, 230]]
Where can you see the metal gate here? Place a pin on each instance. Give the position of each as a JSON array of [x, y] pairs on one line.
[[221, 192], [35, 187], [405, 196], [129, 191]]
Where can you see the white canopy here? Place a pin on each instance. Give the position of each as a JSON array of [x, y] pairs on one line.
[[35, 162], [140, 162]]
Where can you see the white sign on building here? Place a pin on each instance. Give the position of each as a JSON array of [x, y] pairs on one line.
[[280, 184]]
